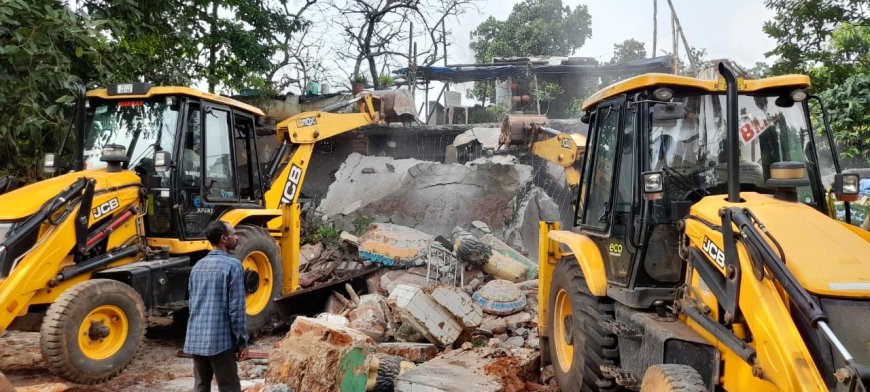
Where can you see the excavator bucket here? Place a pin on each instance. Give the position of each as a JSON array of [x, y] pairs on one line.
[[516, 129], [396, 105]]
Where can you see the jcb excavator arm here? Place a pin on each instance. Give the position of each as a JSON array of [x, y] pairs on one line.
[[561, 148]]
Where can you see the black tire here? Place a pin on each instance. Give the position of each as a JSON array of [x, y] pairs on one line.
[[592, 345], [254, 239], [672, 378], [388, 369], [96, 302]]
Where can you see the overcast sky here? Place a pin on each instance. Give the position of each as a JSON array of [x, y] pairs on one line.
[[727, 29]]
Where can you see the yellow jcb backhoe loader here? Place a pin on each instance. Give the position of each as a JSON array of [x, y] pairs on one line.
[[701, 257], [85, 256]]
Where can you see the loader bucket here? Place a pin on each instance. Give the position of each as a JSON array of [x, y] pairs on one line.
[[396, 105], [516, 129]]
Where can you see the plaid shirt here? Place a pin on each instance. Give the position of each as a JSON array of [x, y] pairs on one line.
[[217, 306]]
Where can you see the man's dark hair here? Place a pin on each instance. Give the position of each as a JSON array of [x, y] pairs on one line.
[[215, 230]]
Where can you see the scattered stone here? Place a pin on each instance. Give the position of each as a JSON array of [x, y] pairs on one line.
[[407, 333], [371, 317], [522, 229], [309, 253], [413, 276], [459, 304], [521, 331], [420, 310], [496, 325], [482, 226], [500, 297], [278, 388], [333, 319], [349, 238], [516, 341], [529, 285], [517, 319], [318, 356], [414, 352], [5, 385], [503, 337], [394, 245], [481, 369]]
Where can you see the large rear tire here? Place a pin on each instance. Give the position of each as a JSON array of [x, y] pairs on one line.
[[672, 378], [578, 346], [93, 331], [263, 274]]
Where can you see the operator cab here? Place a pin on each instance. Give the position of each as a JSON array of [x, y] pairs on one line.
[[198, 154], [657, 145]]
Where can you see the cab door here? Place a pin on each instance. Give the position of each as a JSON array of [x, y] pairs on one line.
[[606, 204]]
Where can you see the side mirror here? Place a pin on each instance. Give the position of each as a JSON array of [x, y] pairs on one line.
[[48, 164], [653, 185], [846, 186], [162, 161]]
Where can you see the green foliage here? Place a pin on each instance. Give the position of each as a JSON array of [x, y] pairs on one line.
[[628, 50], [360, 78], [534, 28], [327, 234], [45, 50], [830, 41], [575, 107], [386, 80], [496, 112], [361, 224]]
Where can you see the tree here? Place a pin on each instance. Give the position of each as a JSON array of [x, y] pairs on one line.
[[628, 50], [830, 41], [534, 28], [46, 49]]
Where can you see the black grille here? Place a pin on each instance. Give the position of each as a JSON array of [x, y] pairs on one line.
[[849, 320]]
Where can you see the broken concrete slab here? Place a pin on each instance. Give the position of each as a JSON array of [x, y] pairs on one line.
[[333, 319], [482, 369], [487, 137], [318, 356], [415, 276], [460, 304], [430, 197], [371, 317], [425, 314], [522, 230], [309, 252], [500, 297], [414, 352], [349, 191], [394, 245]]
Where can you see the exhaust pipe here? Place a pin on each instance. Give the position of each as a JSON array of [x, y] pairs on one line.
[[733, 146]]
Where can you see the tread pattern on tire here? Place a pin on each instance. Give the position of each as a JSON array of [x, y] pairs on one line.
[[253, 234], [680, 378], [53, 341], [600, 347], [388, 370]]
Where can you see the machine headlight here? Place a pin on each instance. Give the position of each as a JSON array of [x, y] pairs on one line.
[[653, 185]]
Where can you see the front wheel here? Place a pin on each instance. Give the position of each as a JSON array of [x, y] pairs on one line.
[[92, 331], [578, 345], [263, 274]]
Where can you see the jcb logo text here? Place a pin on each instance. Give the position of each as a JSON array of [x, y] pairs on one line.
[[105, 208], [292, 184]]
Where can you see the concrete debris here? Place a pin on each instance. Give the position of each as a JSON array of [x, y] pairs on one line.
[[482, 369], [349, 238], [482, 226], [460, 304], [496, 325], [412, 276], [427, 196], [500, 297], [333, 319], [414, 352], [530, 285], [420, 310], [487, 138], [318, 356], [515, 320], [407, 333], [516, 341], [348, 192], [495, 159], [500, 247], [371, 317], [309, 253], [394, 245], [5, 385], [442, 267], [522, 230]]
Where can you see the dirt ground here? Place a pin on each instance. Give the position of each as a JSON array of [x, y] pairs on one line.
[[156, 367]]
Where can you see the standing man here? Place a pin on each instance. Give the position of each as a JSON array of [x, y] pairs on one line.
[[216, 335]]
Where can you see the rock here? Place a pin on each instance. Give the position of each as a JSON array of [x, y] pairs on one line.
[[412, 276], [309, 252], [521, 331], [347, 194], [482, 226], [500, 297], [423, 312], [394, 245], [278, 388], [517, 319], [533, 207], [460, 304], [407, 333], [529, 285], [318, 356], [516, 341], [333, 319], [496, 325], [5, 385], [481, 369], [503, 337], [414, 352], [371, 316]]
